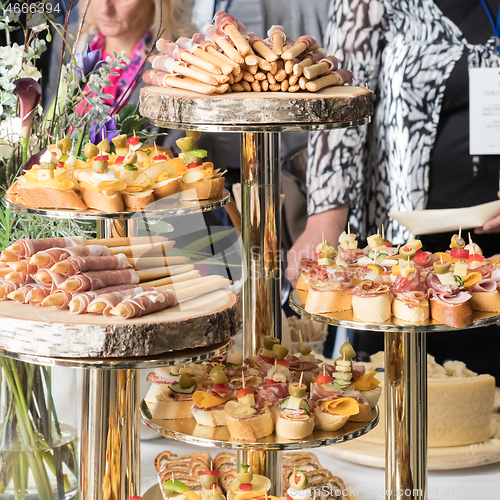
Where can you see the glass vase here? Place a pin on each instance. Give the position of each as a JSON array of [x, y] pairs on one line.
[[37, 451]]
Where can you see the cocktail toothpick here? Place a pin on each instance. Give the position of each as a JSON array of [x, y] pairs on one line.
[[300, 380], [243, 378]]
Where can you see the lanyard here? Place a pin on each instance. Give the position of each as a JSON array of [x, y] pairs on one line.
[[228, 4], [496, 27]]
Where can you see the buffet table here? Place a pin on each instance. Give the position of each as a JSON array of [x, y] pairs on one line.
[[366, 483]]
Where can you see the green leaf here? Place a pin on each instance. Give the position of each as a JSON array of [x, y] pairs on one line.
[[131, 123], [127, 110], [78, 145], [106, 96], [204, 242], [94, 88]]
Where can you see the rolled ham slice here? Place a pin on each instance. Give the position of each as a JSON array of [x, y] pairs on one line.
[[156, 77], [485, 286], [169, 48], [145, 303], [48, 258], [93, 280], [19, 277], [78, 303], [20, 294], [28, 247], [110, 300], [7, 287], [74, 265]]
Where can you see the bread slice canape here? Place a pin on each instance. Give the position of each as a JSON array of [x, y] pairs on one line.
[[208, 408], [451, 314], [485, 296], [247, 424], [408, 310], [371, 302]]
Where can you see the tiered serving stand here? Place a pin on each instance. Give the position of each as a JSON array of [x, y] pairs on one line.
[[110, 424], [259, 118]]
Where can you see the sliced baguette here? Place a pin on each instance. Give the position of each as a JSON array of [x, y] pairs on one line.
[[303, 282], [294, 429], [206, 189], [328, 301], [36, 196], [250, 428], [413, 313], [374, 309], [211, 418], [457, 315], [488, 302], [99, 201], [168, 187], [327, 421], [138, 200]]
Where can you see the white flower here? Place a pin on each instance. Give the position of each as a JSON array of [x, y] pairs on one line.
[[10, 129], [37, 22], [12, 18], [5, 150], [12, 56], [29, 71]]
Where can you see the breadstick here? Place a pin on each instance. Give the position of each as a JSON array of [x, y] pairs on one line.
[[229, 50], [221, 89], [196, 74], [223, 58], [289, 67], [277, 44], [299, 67], [237, 87], [271, 78], [43, 276], [195, 291], [293, 79], [274, 67], [263, 64], [284, 85], [219, 79], [251, 60], [200, 63], [327, 81], [247, 76], [238, 77], [188, 84], [224, 67], [302, 82], [274, 87], [250, 69], [137, 251], [315, 70], [148, 262], [230, 79], [294, 51], [4, 271], [256, 86], [8, 257], [280, 75], [246, 85], [260, 76], [159, 272], [264, 85], [238, 39], [174, 279], [126, 241], [293, 88], [189, 283], [261, 48]]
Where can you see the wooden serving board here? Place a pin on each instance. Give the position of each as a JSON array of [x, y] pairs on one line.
[[329, 105], [41, 331]]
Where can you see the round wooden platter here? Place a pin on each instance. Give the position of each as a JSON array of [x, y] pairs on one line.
[[198, 322], [333, 107]]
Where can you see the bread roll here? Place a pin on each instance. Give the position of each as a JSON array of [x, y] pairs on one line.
[[414, 313], [168, 187], [302, 282], [294, 429]]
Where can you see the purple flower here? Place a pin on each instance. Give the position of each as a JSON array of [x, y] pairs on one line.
[[88, 61], [108, 128], [29, 93]]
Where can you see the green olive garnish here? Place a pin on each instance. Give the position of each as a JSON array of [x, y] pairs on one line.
[[206, 481], [104, 146], [346, 350], [457, 242], [65, 144], [217, 375], [186, 144], [279, 351], [303, 349], [186, 382], [130, 168], [90, 150], [270, 341], [131, 158], [441, 267], [296, 391], [99, 166], [120, 141], [407, 251]]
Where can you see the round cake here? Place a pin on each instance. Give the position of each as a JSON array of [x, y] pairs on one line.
[[460, 404]]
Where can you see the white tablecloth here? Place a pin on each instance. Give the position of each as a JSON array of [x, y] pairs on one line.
[[366, 483]]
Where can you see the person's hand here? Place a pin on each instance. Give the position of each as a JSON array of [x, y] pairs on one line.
[[490, 226], [330, 224]]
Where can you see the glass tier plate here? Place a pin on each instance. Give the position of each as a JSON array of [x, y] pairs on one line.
[[161, 208], [190, 432], [346, 319], [167, 359]]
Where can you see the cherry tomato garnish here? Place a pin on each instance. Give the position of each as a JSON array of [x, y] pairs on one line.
[[160, 157], [194, 165], [324, 379], [132, 141], [243, 392], [211, 473], [119, 160], [245, 486], [475, 257], [459, 253]]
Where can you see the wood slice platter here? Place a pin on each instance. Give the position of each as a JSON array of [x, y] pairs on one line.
[[330, 105], [41, 331]]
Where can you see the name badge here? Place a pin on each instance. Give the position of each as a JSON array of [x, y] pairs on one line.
[[484, 121]]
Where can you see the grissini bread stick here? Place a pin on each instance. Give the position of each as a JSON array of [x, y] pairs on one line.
[[20, 294], [280, 75], [261, 48], [293, 80], [238, 77], [251, 59], [329, 63], [5, 270], [74, 265], [337, 77], [223, 65], [186, 84], [276, 35], [49, 257], [298, 68], [194, 49], [159, 272], [301, 45], [247, 76], [263, 64], [225, 23], [9, 257], [104, 302], [256, 86], [221, 40], [250, 69], [237, 87], [7, 288], [202, 289], [138, 251], [302, 82], [94, 280], [264, 85], [214, 56], [289, 66], [19, 277], [214, 52], [190, 275], [148, 262], [170, 65], [223, 88], [126, 241], [145, 303], [219, 79], [200, 63], [22, 266], [189, 283]]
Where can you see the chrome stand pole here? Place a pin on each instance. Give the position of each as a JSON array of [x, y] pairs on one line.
[[267, 463], [110, 435], [261, 235], [261, 267], [405, 386]]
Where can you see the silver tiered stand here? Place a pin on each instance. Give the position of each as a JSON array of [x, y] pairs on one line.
[[110, 424], [259, 118]]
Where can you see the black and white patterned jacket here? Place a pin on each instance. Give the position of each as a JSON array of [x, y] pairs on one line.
[[404, 51]]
